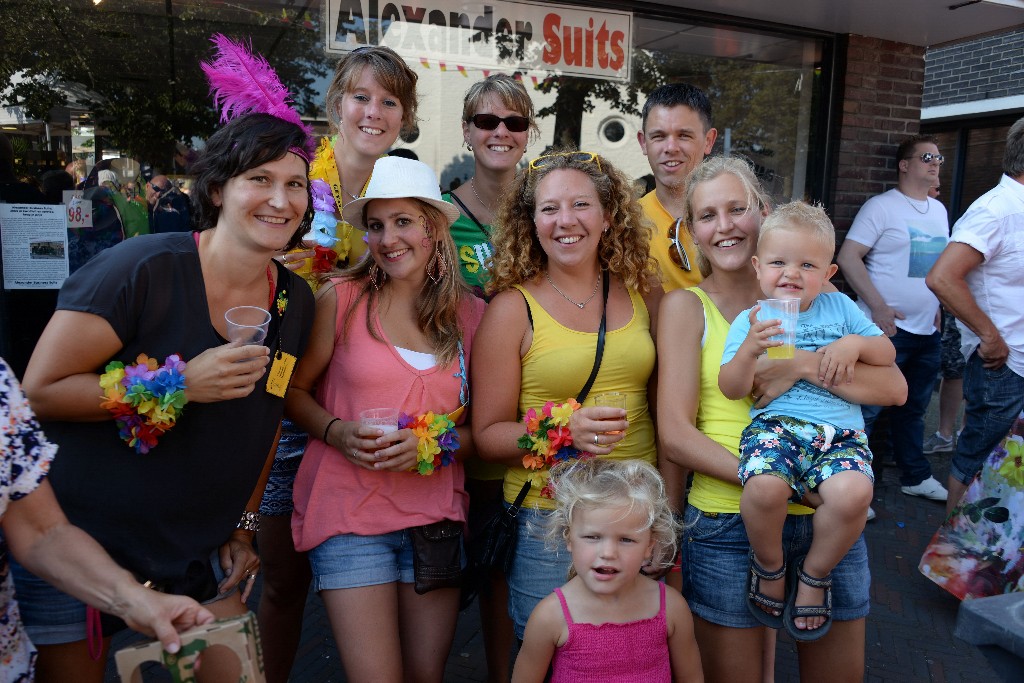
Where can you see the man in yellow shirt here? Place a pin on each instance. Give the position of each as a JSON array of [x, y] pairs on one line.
[[676, 135]]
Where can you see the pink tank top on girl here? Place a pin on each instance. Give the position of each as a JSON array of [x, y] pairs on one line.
[[636, 652]]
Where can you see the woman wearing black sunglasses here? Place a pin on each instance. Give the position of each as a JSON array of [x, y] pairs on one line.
[[497, 124]]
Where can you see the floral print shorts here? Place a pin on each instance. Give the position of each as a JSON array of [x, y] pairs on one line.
[[801, 453]]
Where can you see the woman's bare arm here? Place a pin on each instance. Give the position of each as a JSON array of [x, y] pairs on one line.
[[680, 328]]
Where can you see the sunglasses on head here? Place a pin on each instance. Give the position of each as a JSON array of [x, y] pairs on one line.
[[676, 251], [585, 157], [514, 124], [928, 158]]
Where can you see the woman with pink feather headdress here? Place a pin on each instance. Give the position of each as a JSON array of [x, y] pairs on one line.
[[166, 429]]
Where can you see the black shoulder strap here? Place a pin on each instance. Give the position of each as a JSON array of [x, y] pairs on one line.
[[529, 311], [468, 213], [600, 339]]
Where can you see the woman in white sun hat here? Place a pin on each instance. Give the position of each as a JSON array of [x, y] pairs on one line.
[[392, 332]]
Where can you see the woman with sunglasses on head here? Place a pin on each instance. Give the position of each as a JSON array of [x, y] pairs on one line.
[[166, 429], [571, 270], [393, 332], [497, 123], [370, 101], [699, 430]]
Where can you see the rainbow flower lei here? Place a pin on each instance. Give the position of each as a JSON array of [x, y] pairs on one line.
[[549, 440], [437, 440], [145, 398]]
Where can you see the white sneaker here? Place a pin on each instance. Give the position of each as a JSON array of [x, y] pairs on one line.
[[937, 443], [871, 513], [929, 488]]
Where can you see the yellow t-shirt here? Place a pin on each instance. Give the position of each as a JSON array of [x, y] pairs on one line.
[[559, 362], [672, 276], [720, 419]]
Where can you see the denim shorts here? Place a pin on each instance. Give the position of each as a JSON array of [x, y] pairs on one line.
[[994, 400], [716, 565], [52, 617], [536, 570], [354, 561], [277, 498]]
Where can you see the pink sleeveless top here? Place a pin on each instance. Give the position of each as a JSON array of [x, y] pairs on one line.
[[636, 652]]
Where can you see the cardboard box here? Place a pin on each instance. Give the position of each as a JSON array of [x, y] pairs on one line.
[[238, 634]]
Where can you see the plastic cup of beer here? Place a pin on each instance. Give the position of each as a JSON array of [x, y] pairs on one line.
[[384, 419], [786, 310], [611, 399]]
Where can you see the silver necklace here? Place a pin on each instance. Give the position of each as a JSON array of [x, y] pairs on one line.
[[472, 186], [577, 304], [927, 204]]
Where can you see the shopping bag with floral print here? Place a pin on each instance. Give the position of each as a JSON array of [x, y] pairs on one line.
[[979, 550]]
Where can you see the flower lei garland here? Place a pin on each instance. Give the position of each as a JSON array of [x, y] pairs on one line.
[[145, 398], [437, 440], [549, 440]]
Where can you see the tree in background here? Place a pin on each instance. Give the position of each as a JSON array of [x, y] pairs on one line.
[[139, 60]]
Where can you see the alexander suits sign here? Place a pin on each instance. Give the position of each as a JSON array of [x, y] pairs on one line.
[[489, 35]]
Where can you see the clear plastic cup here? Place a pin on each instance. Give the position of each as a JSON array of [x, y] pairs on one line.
[[786, 310], [611, 399], [247, 325], [384, 419]]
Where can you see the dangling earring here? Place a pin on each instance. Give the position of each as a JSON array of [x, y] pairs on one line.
[[437, 266], [469, 146], [375, 275], [426, 241]]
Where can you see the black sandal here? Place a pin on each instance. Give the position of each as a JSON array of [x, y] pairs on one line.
[[755, 597], [794, 611]]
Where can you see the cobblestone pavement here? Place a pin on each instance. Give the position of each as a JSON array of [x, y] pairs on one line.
[[909, 632]]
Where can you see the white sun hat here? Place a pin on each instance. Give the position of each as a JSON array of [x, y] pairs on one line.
[[400, 178]]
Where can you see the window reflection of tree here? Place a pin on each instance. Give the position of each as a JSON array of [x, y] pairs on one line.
[[140, 59]]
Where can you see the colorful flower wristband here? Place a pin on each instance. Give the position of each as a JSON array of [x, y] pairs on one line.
[[437, 440], [548, 439], [145, 398]]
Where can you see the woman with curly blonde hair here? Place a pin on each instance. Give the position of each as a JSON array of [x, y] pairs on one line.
[[623, 248], [571, 252]]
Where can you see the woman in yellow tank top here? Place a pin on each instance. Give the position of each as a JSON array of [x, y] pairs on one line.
[[565, 225], [700, 431]]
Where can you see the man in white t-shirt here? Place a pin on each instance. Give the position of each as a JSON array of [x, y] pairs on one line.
[[895, 239], [980, 279]]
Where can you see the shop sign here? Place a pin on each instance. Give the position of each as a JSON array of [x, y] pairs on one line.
[[494, 35]]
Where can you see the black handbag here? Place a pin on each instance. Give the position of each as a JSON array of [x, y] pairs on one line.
[[496, 546], [436, 555]]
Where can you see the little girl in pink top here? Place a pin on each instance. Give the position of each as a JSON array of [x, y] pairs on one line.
[[610, 622]]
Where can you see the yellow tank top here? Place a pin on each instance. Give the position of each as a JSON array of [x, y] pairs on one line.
[[720, 419], [559, 362]]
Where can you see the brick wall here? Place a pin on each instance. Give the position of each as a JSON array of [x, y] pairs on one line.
[[881, 107], [980, 69]]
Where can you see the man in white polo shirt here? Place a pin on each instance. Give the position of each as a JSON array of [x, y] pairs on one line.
[[980, 279]]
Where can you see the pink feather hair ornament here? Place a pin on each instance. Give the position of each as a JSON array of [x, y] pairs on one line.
[[244, 83]]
